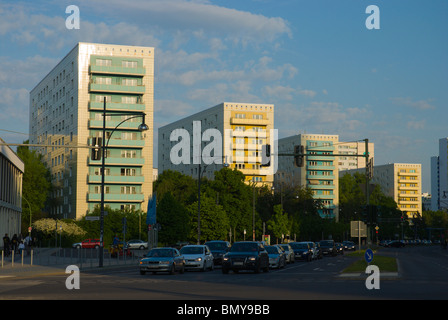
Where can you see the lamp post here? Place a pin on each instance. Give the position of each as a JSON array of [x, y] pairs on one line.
[[142, 127]]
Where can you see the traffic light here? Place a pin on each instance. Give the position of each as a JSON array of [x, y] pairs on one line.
[[299, 155], [96, 152], [266, 155]]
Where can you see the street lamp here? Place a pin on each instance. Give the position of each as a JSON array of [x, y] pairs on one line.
[[142, 127]]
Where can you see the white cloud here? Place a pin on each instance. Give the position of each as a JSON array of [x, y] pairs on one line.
[[235, 25], [409, 102]]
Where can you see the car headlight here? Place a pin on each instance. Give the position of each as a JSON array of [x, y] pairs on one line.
[[225, 258], [252, 258], [198, 259], [164, 262]]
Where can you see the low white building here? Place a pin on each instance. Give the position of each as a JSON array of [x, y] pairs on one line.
[[11, 174]]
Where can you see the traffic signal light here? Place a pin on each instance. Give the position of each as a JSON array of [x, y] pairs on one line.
[[266, 155], [299, 155], [96, 152]]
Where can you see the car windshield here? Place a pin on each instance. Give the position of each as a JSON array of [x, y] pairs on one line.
[[161, 253], [217, 245], [326, 243], [192, 250], [299, 246], [271, 249], [244, 247]]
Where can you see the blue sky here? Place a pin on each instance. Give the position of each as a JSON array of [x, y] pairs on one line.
[[315, 60]]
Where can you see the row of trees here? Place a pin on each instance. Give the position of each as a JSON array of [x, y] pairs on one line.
[[229, 208]]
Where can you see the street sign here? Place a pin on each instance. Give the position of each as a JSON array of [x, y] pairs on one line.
[[358, 229], [92, 218], [368, 255]]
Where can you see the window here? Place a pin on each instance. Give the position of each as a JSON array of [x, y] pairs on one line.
[[129, 64], [104, 62], [129, 82]]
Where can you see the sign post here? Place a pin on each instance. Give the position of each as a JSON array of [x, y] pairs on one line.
[[358, 229]]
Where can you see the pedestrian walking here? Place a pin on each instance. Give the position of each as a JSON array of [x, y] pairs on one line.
[[14, 243], [21, 247], [6, 245]]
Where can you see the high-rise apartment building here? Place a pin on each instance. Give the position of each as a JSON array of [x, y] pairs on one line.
[[239, 130], [319, 172], [66, 117], [402, 182], [346, 160], [439, 177]]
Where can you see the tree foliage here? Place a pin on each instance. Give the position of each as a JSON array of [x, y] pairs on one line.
[[36, 184]]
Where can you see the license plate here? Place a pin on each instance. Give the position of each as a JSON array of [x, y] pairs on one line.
[[238, 263]]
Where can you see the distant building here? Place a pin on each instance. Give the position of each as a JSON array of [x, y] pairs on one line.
[[11, 175], [348, 162], [402, 182], [250, 127], [66, 116], [319, 173], [439, 177]]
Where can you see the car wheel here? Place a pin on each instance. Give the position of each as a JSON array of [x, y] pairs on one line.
[[183, 269], [142, 248], [142, 272]]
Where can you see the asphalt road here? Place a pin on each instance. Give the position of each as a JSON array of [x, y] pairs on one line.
[[423, 274]]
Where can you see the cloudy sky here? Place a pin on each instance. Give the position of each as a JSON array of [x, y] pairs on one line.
[[315, 60]]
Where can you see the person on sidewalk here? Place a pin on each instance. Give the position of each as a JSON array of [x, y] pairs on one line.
[[7, 245]]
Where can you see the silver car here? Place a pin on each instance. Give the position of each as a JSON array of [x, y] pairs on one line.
[[289, 252], [137, 244], [162, 260]]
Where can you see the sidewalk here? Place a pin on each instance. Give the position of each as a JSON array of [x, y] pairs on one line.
[[47, 261]]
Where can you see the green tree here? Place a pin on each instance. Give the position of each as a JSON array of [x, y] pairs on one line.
[[279, 224], [36, 184], [235, 196], [183, 188], [214, 222], [174, 219]]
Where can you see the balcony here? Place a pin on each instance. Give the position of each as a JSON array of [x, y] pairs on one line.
[[116, 106], [118, 179], [98, 124], [116, 197], [117, 70], [248, 121], [117, 88], [110, 161]]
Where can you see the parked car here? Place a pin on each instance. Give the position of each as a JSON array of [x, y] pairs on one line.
[[137, 244], [218, 248], [339, 248], [328, 247], [88, 243], [197, 257], [289, 252], [319, 250], [246, 255], [302, 251], [314, 253], [277, 258], [162, 260], [395, 244], [349, 245]]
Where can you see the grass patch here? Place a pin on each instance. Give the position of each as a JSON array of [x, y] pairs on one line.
[[385, 264]]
